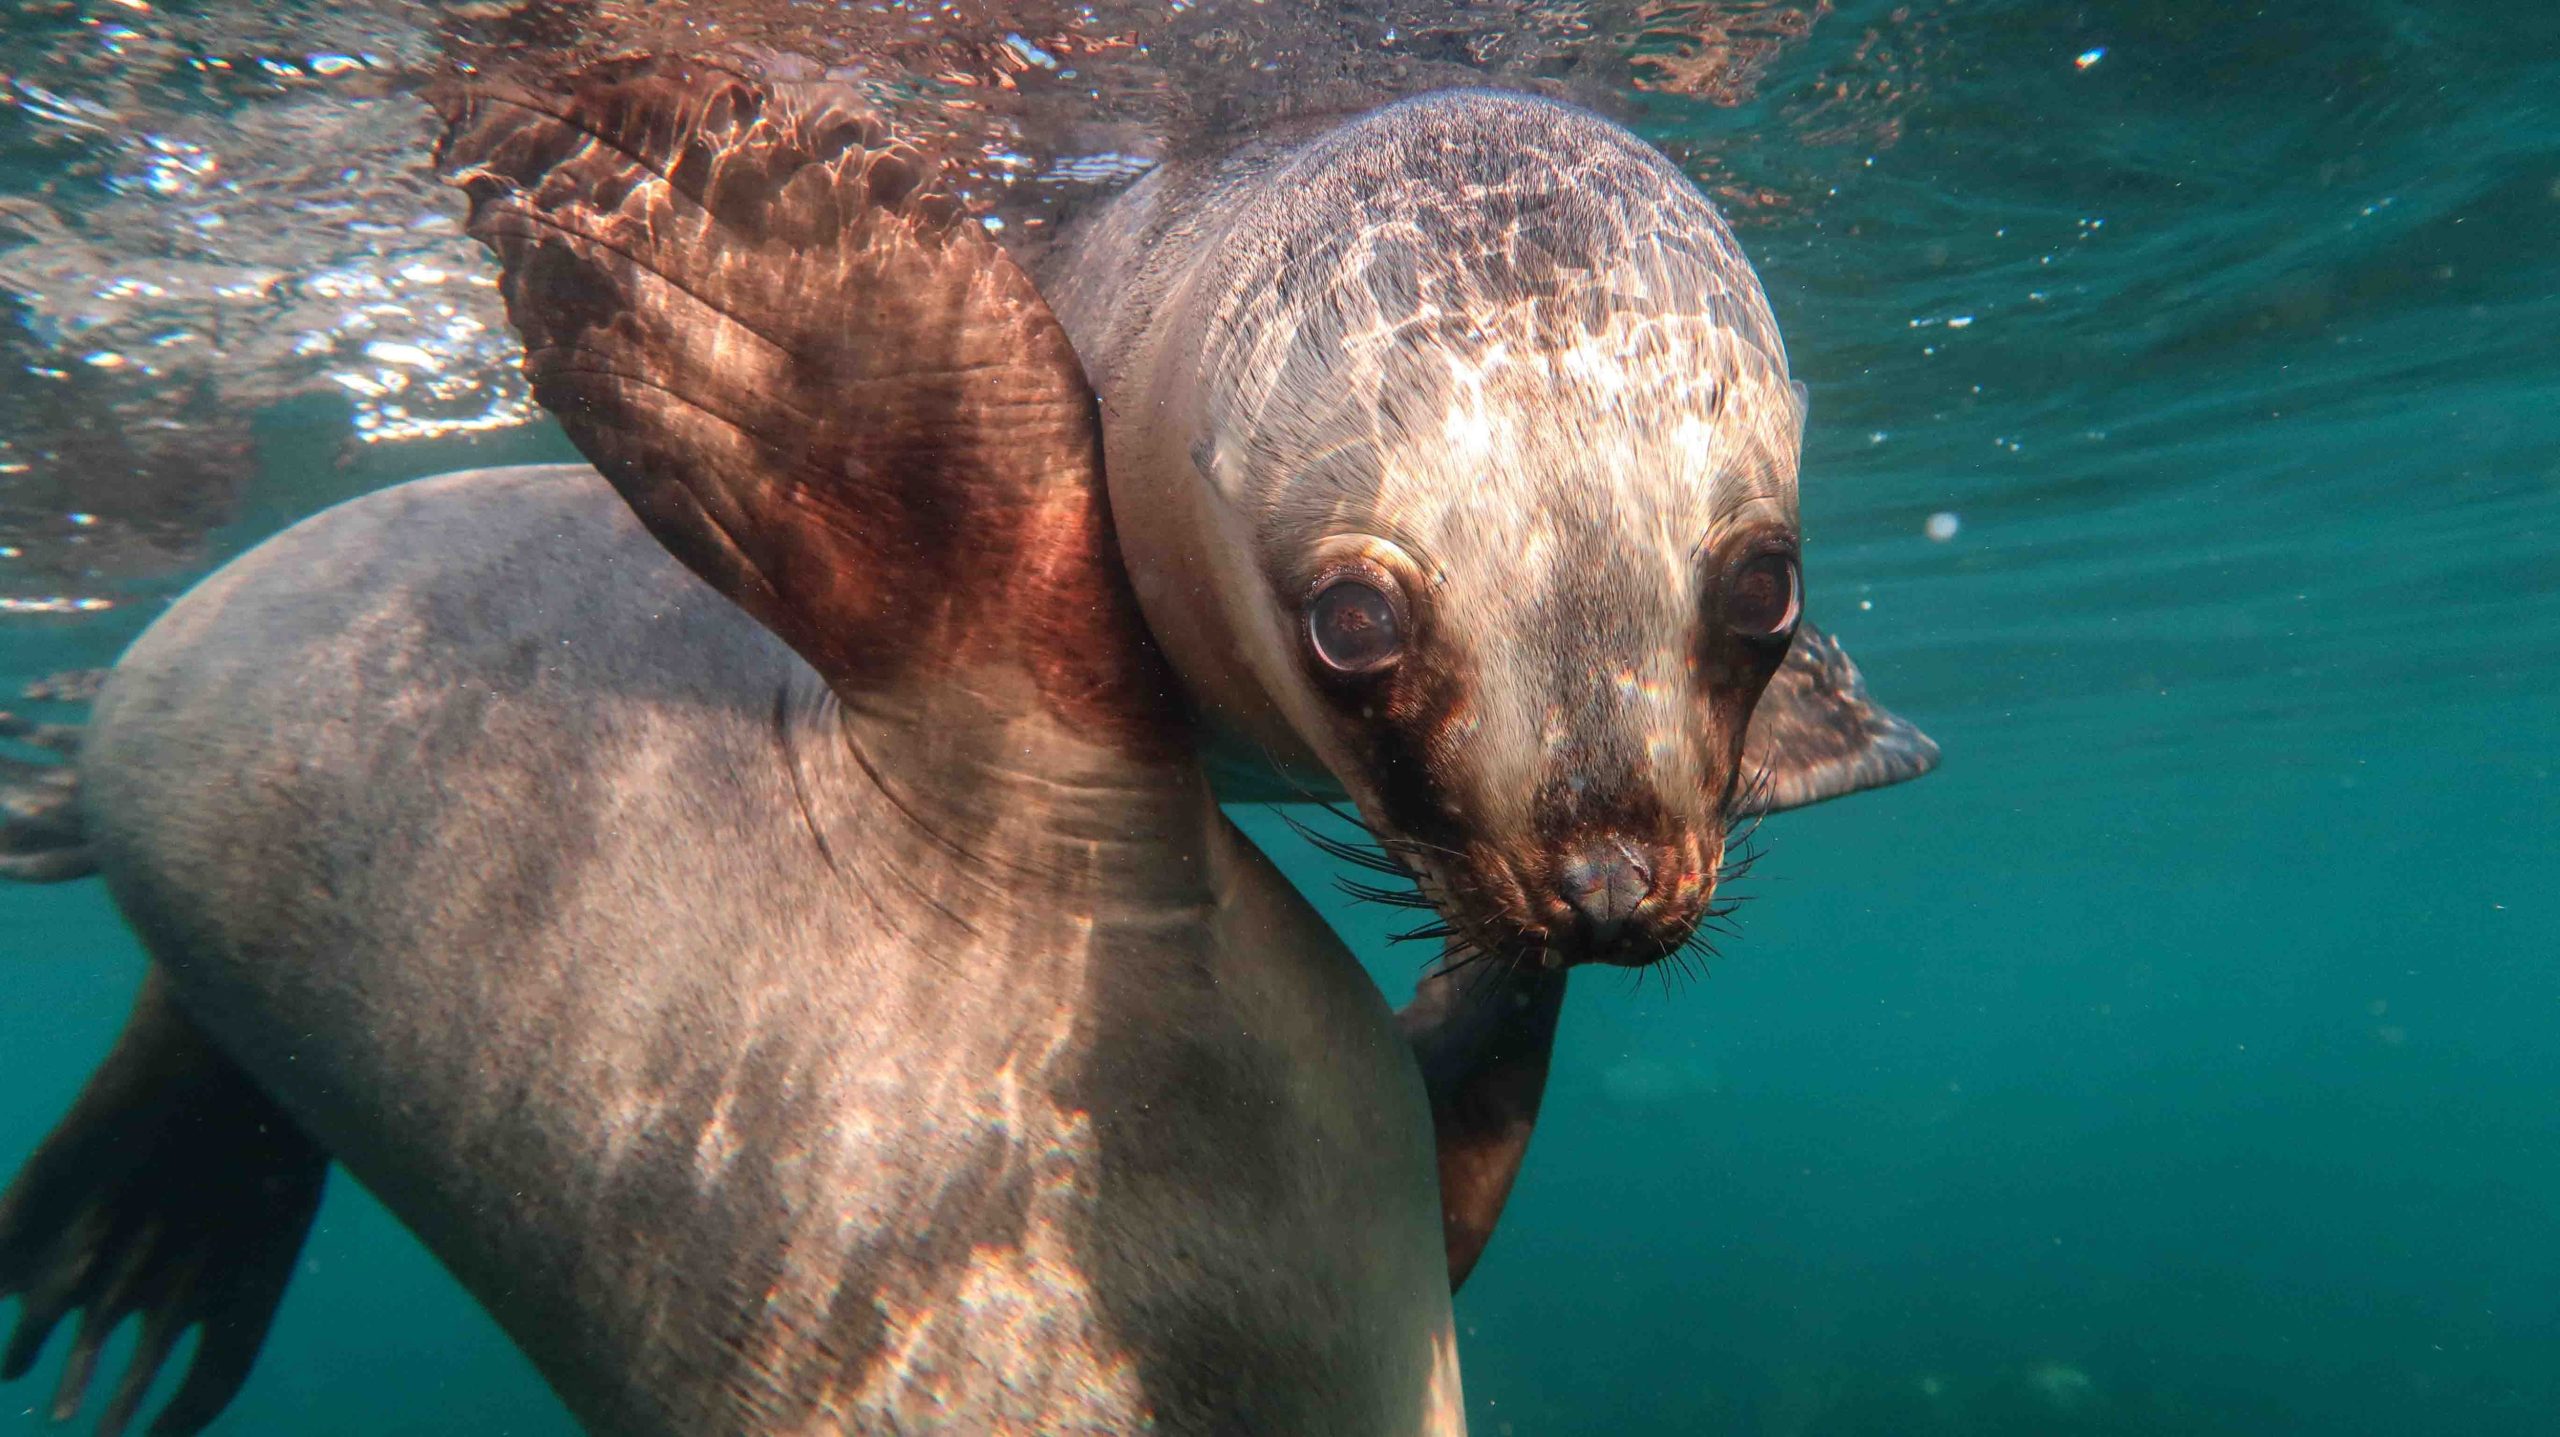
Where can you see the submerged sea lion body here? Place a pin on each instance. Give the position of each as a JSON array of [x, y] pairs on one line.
[[829, 999], [550, 893]]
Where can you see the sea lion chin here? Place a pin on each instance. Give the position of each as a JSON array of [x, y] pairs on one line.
[[1455, 455]]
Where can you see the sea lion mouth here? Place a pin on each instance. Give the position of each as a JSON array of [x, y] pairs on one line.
[[1599, 897]]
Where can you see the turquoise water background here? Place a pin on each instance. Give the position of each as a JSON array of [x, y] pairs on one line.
[[2184, 1057]]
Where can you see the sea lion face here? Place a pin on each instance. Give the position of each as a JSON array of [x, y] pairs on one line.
[[1513, 462], [1526, 630]]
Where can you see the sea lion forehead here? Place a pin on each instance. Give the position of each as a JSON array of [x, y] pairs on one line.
[[1456, 206], [1514, 277]]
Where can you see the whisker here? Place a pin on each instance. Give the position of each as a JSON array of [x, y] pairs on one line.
[[1344, 813], [1372, 893], [1425, 932], [1347, 852]]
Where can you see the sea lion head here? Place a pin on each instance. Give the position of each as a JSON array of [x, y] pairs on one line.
[[1455, 450]]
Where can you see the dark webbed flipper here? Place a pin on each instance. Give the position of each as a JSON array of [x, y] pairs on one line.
[[815, 378], [174, 1190], [1817, 735], [1484, 1038], [42, 836], [1483, 1035]]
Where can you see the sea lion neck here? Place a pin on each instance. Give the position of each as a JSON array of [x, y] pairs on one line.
[[1025, 809]]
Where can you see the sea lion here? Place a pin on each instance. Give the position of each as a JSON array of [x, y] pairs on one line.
[[816, 995], [917, 521], [1454, 457]]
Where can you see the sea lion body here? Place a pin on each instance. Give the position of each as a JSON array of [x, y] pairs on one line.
[[543, 888], [819, 993]]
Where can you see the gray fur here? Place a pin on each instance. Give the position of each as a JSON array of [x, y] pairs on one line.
[[753, 1087]]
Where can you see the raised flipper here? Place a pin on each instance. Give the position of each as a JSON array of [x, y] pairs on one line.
[[174, 1190], [817, 381], [42, 836], [1484, 1034]]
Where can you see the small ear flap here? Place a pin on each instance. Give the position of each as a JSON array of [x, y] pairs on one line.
[[817, 381], [1817, 735]]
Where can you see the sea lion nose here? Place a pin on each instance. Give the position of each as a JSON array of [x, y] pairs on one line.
[[1604, 880]]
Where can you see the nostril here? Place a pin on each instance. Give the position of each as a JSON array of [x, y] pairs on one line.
[[1605, 880]]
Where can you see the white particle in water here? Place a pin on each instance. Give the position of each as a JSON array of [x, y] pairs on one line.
[[391, 352], [2087, 58], [80, 520], [1942, 526]]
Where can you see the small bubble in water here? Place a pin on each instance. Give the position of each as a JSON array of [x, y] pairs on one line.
[[1942, 526]]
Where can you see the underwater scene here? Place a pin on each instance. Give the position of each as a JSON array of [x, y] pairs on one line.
[[2181, 455]]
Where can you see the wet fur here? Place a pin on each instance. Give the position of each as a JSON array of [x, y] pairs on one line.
[[544, 890], [1536, 363]]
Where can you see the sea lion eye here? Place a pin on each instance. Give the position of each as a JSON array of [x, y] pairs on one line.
[[1354, 626], [1762, 597]]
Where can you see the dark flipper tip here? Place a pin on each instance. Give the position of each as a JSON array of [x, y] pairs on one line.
[[174, 1191]]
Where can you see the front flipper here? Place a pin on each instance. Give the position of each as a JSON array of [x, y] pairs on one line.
[[1817, 735], [174, 1190], [1483, 1035], [815, 378]]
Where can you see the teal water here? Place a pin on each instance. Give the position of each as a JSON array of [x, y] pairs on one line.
[[2181, 1057]]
